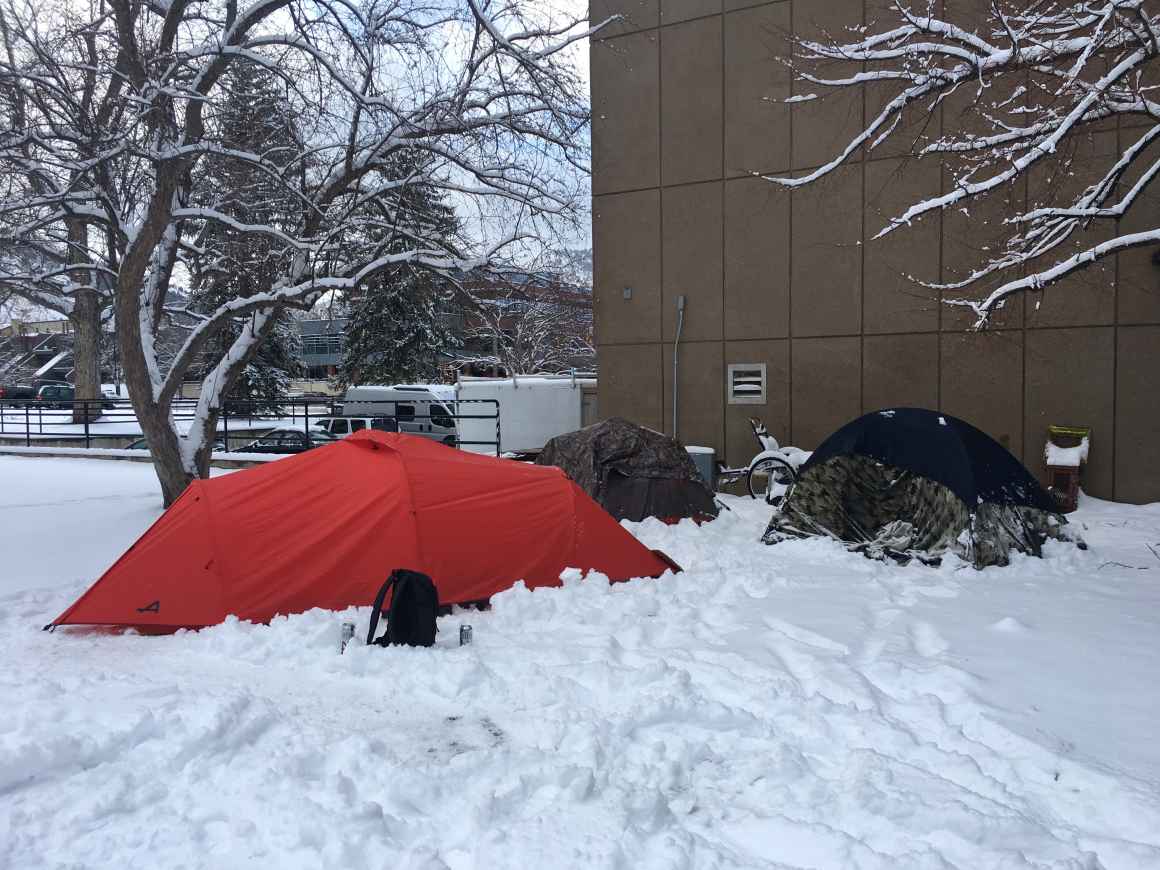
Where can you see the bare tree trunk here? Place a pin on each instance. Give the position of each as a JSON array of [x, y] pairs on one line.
[[151, 415], [207, 422], [86, 323], [175, 470]]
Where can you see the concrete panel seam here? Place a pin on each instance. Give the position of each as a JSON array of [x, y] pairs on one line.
[[789, 424]]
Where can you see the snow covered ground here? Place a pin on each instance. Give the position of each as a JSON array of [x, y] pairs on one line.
[[785, 707]]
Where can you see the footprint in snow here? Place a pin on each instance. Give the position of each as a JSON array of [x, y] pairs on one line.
[[927, 641], [467, 735], [877, 642], [1010, 625], [805, 636]]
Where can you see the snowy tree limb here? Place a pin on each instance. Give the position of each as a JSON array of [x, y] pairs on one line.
[[1042, 75]]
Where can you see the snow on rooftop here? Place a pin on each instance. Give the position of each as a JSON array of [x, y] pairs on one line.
[[440, 391]]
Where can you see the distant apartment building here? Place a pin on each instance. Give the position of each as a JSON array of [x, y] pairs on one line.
[[21, 327], [792, 312], [518, 307], [322, 343], [500, 305]]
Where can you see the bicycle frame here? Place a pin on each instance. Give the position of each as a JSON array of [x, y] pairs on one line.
[[771, 454]]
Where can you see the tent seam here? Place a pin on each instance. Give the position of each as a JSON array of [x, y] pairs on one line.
[[405, 474], [572, 489], [213, 543]]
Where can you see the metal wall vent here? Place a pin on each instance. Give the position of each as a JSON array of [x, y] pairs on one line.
[[746, 384]]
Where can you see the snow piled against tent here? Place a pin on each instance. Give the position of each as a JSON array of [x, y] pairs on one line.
[[788, 707]]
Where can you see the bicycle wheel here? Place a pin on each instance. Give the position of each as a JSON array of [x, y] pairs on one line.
[[769, 477]]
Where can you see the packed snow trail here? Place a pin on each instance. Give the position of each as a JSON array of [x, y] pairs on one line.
[[785, 707]]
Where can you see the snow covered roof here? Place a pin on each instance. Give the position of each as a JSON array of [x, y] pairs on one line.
[[21, 311], [439, 391]]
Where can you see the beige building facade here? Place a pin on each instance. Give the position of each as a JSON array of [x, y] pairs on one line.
[[792, 312]]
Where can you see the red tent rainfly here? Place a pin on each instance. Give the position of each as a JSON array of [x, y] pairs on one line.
[[325, 528]]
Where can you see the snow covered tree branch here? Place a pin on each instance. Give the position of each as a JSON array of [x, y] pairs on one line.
[[1041, 74], [117, 158]]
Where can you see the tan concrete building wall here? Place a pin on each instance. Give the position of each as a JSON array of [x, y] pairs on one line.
[[685, 109]]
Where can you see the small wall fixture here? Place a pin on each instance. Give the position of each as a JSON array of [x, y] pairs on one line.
[[746, 384], [627, 292], [1065, 455]]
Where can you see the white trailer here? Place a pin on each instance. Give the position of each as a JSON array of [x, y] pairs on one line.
[[533, 409]]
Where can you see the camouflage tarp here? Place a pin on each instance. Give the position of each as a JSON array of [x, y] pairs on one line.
[[887, 512], [631, 471]]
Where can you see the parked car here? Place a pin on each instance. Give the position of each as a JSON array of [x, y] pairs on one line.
[[63, 396], [417, 409], [288, 441], [219, 446], [56, 395], [343, 426], [17, 393]]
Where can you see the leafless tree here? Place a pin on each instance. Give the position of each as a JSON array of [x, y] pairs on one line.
[[1040, 76], [113, 104], [530, 330], [41, 278]]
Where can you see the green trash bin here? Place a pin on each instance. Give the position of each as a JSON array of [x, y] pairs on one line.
[[705, 458]]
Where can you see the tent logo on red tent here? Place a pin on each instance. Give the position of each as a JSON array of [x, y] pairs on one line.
[[152, 607]]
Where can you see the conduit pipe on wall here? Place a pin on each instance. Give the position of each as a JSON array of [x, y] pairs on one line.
[[676, 346]]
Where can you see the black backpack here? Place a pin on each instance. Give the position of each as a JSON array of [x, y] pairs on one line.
[[411, 618]]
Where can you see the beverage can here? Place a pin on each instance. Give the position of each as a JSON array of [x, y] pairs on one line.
[[464, 635], [347, 636]]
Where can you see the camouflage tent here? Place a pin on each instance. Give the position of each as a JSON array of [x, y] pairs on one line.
[[632, 472], [910, 483]]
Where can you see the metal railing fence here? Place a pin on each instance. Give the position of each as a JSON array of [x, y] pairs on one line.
[[112, 422]]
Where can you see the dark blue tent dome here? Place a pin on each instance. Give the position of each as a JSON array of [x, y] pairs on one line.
[[941, 448]]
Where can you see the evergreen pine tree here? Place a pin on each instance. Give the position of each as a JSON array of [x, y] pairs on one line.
[[397, 331], [399, 323], [256, 119]]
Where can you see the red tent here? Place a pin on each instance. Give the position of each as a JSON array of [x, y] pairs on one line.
[[325, 528]]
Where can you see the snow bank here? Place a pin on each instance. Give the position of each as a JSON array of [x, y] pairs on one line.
[[788, 707]]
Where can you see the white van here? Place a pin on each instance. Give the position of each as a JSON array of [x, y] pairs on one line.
[[340, 427], [532, 410], [419, 409]]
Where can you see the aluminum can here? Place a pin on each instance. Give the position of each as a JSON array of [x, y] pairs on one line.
[[347, 636], [464, 635]]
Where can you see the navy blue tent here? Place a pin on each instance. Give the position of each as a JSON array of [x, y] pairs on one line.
[[909, 483], [968, 462]]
